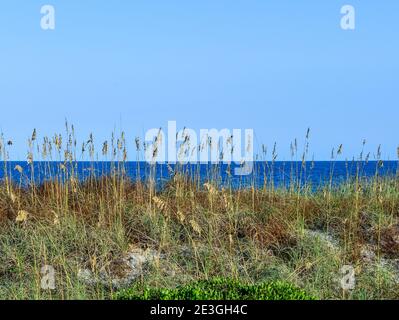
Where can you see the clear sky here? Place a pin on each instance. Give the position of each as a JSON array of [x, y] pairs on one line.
[[277, 66]]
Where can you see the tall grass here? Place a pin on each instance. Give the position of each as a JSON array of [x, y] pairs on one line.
[[292, 231]]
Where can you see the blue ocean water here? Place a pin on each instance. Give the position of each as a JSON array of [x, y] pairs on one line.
[[279, 173]]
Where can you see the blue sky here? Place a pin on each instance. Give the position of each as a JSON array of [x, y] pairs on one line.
[[276, 66]]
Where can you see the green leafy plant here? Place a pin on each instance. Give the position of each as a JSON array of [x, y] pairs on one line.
[[219, 289]]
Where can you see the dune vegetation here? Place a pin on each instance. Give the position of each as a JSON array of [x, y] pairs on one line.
[[105, 235]]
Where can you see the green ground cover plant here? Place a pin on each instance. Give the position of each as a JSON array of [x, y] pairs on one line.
[[219, 289]]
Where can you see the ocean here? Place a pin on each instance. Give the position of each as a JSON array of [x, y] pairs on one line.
[[278, 174]]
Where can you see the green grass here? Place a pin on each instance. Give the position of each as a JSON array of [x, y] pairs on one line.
[[219, 289]]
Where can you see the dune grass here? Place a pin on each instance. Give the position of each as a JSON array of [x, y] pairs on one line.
[[297, 235]]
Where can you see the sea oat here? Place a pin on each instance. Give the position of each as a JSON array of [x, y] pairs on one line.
[[22, 216]]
